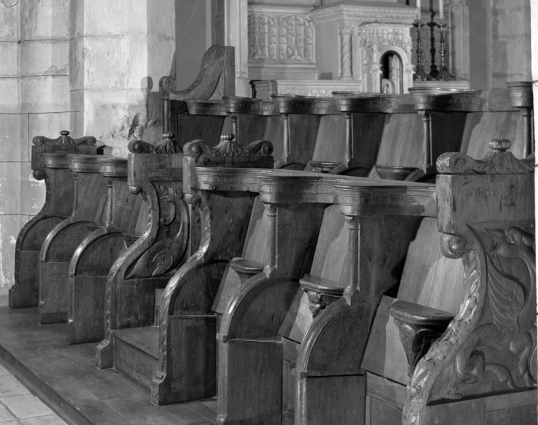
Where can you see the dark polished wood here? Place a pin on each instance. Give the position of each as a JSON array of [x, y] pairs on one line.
[[273, 323], [60, 189], [215, 79], [90, 197], [172, 350], [469, 364]]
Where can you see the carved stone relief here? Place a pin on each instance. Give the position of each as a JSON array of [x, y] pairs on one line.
[[280, 38]]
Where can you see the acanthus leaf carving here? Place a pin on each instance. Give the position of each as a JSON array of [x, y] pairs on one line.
[[171, 241], [490, 346]]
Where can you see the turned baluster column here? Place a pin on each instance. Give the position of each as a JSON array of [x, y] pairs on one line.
[[426, 141], [353, 284], [350, 156], [271, 211]]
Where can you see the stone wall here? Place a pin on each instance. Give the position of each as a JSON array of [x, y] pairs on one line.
[[88, 66]]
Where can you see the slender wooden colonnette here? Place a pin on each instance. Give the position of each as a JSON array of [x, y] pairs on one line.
[[58, 205]]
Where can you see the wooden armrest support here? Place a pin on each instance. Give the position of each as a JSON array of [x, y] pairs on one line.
[[321, 292], [419, 327], [244, 265]]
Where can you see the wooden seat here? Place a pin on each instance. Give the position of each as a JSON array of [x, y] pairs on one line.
[[182, 370], [78, 269], [456, 374], [60, 189], [63, 239], [288, 334], [234, 402]]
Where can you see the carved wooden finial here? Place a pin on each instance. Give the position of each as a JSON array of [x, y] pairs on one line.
[[497, 162], [500, 145], [64, 140]]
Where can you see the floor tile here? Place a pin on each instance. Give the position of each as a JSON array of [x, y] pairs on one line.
[[5, 415], [43, 420], [9, 386], [26, 406], [3, 372]]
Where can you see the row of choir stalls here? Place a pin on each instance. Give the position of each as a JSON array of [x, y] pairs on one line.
[[363, 258]]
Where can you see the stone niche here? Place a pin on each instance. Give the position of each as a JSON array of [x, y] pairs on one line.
[[362, 46]]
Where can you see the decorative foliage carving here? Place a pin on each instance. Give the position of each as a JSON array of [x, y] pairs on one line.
[[280, 38], [168, 145], [491, 344], [171, 243], [497, 162], [318, 301], [419, 327], [381, 38], [228, 147], [359, 14], [64, 140], [416, 341]]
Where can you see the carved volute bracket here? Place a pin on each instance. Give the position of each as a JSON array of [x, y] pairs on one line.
[[168, 145], [418, 326], [64, 140], [320, 292]]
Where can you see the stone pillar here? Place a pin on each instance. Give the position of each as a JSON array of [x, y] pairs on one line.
[[90, 67], [235, 20], [511, 49], [34, 82], [458, 42], [119, 52]]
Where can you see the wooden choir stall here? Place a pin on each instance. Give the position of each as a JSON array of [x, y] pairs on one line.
[[360, 259]]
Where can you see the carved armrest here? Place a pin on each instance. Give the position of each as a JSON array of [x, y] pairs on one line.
[[246, 266], [419, 327], [321, 292]]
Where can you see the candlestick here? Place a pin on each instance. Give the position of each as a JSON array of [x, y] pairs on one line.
[[420, 73], [441, 11], [418, 7], [444, 73], [433, 67]]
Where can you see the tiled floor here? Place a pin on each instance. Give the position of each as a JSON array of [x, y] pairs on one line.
[[17, 405]]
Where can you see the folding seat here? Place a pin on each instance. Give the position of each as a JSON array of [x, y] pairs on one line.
[[49, 164]]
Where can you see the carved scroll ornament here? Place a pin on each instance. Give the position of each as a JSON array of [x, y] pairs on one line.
[[497, 162], [228, 147], [167, 84], [490, 346], [167, 145], [171, 242], [64, 140]]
